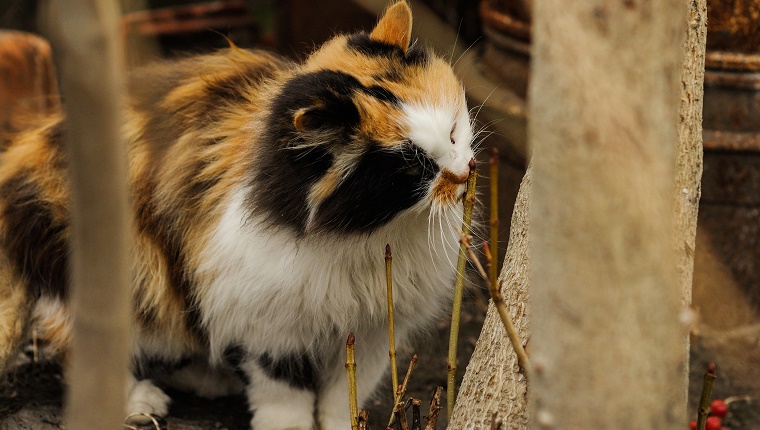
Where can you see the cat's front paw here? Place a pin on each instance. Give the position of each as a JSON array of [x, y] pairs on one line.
[[282, 417], [333, 423], [146, 399]]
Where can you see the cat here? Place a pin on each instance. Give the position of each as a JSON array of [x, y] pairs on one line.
[[264, 193]]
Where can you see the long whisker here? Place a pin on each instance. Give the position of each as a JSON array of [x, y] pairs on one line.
[[465, 51]]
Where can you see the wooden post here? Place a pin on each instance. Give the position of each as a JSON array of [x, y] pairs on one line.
[[604, 98], [84, 37]]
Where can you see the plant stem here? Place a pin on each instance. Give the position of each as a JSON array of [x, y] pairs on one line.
[[435, 407], [351, 371], [498, 301], [401, 390], [494, 266], [416, 421], [704, 401], [391, 334], [469, 203], [363, 420], [487, 253], [400, 414]]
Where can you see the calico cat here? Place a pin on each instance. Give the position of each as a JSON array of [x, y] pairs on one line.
[[264, 193]]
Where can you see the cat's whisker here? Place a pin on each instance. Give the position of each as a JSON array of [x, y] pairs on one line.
[[448, 214], [431, 238], [465, 51], [475, 117]]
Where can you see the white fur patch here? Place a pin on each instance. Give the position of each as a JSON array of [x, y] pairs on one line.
[[275, 292], [277, 406], [145, 398], [432, 128]]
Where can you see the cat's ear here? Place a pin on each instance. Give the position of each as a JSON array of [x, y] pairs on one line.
[[324, 120], [395, 27], [305, 120]]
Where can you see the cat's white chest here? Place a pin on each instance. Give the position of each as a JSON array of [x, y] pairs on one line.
[[263, 287]]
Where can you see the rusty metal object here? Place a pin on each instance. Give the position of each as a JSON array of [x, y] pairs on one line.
[[28, 87], [732, 76], [726, 273], [508, 11], [188, 18], [505, 58], [733, 26], [732, 103], [506, 16], [724, 60]]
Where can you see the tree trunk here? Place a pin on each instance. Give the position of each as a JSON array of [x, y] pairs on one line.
[[492, 382], [689, 153], [603, 126], [84, 37]]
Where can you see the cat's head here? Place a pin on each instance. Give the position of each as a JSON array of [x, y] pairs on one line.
[[370, 125]]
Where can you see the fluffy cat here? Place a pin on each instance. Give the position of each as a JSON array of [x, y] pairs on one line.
[[264, 193]]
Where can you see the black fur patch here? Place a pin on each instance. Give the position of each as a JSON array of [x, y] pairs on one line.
[[36, 243], [382, 94], [285, 174], [414, 56], [296, 370], [382, 185], [145, 367], [234, 357]]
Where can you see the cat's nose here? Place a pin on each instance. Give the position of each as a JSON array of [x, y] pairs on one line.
[[470, 167]]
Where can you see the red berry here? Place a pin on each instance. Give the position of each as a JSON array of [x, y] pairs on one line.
[[692, 425], [719, 408], [713, 423]]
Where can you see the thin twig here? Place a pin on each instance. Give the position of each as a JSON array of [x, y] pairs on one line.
[[732, 399], [469, 203], [401, 390], [363, 420], [391, 334], [351, 371], [435, 407], [416, 421], [399, 412], [141, 414], [493, 268], [487, 253], [498, 301], [704, 401]]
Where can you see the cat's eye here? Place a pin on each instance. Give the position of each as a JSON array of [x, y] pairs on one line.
[[451, 135]]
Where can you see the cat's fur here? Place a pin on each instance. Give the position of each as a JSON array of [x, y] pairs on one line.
[[264, 193]]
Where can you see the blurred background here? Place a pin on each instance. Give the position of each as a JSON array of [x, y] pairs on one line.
[[489, 41]]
